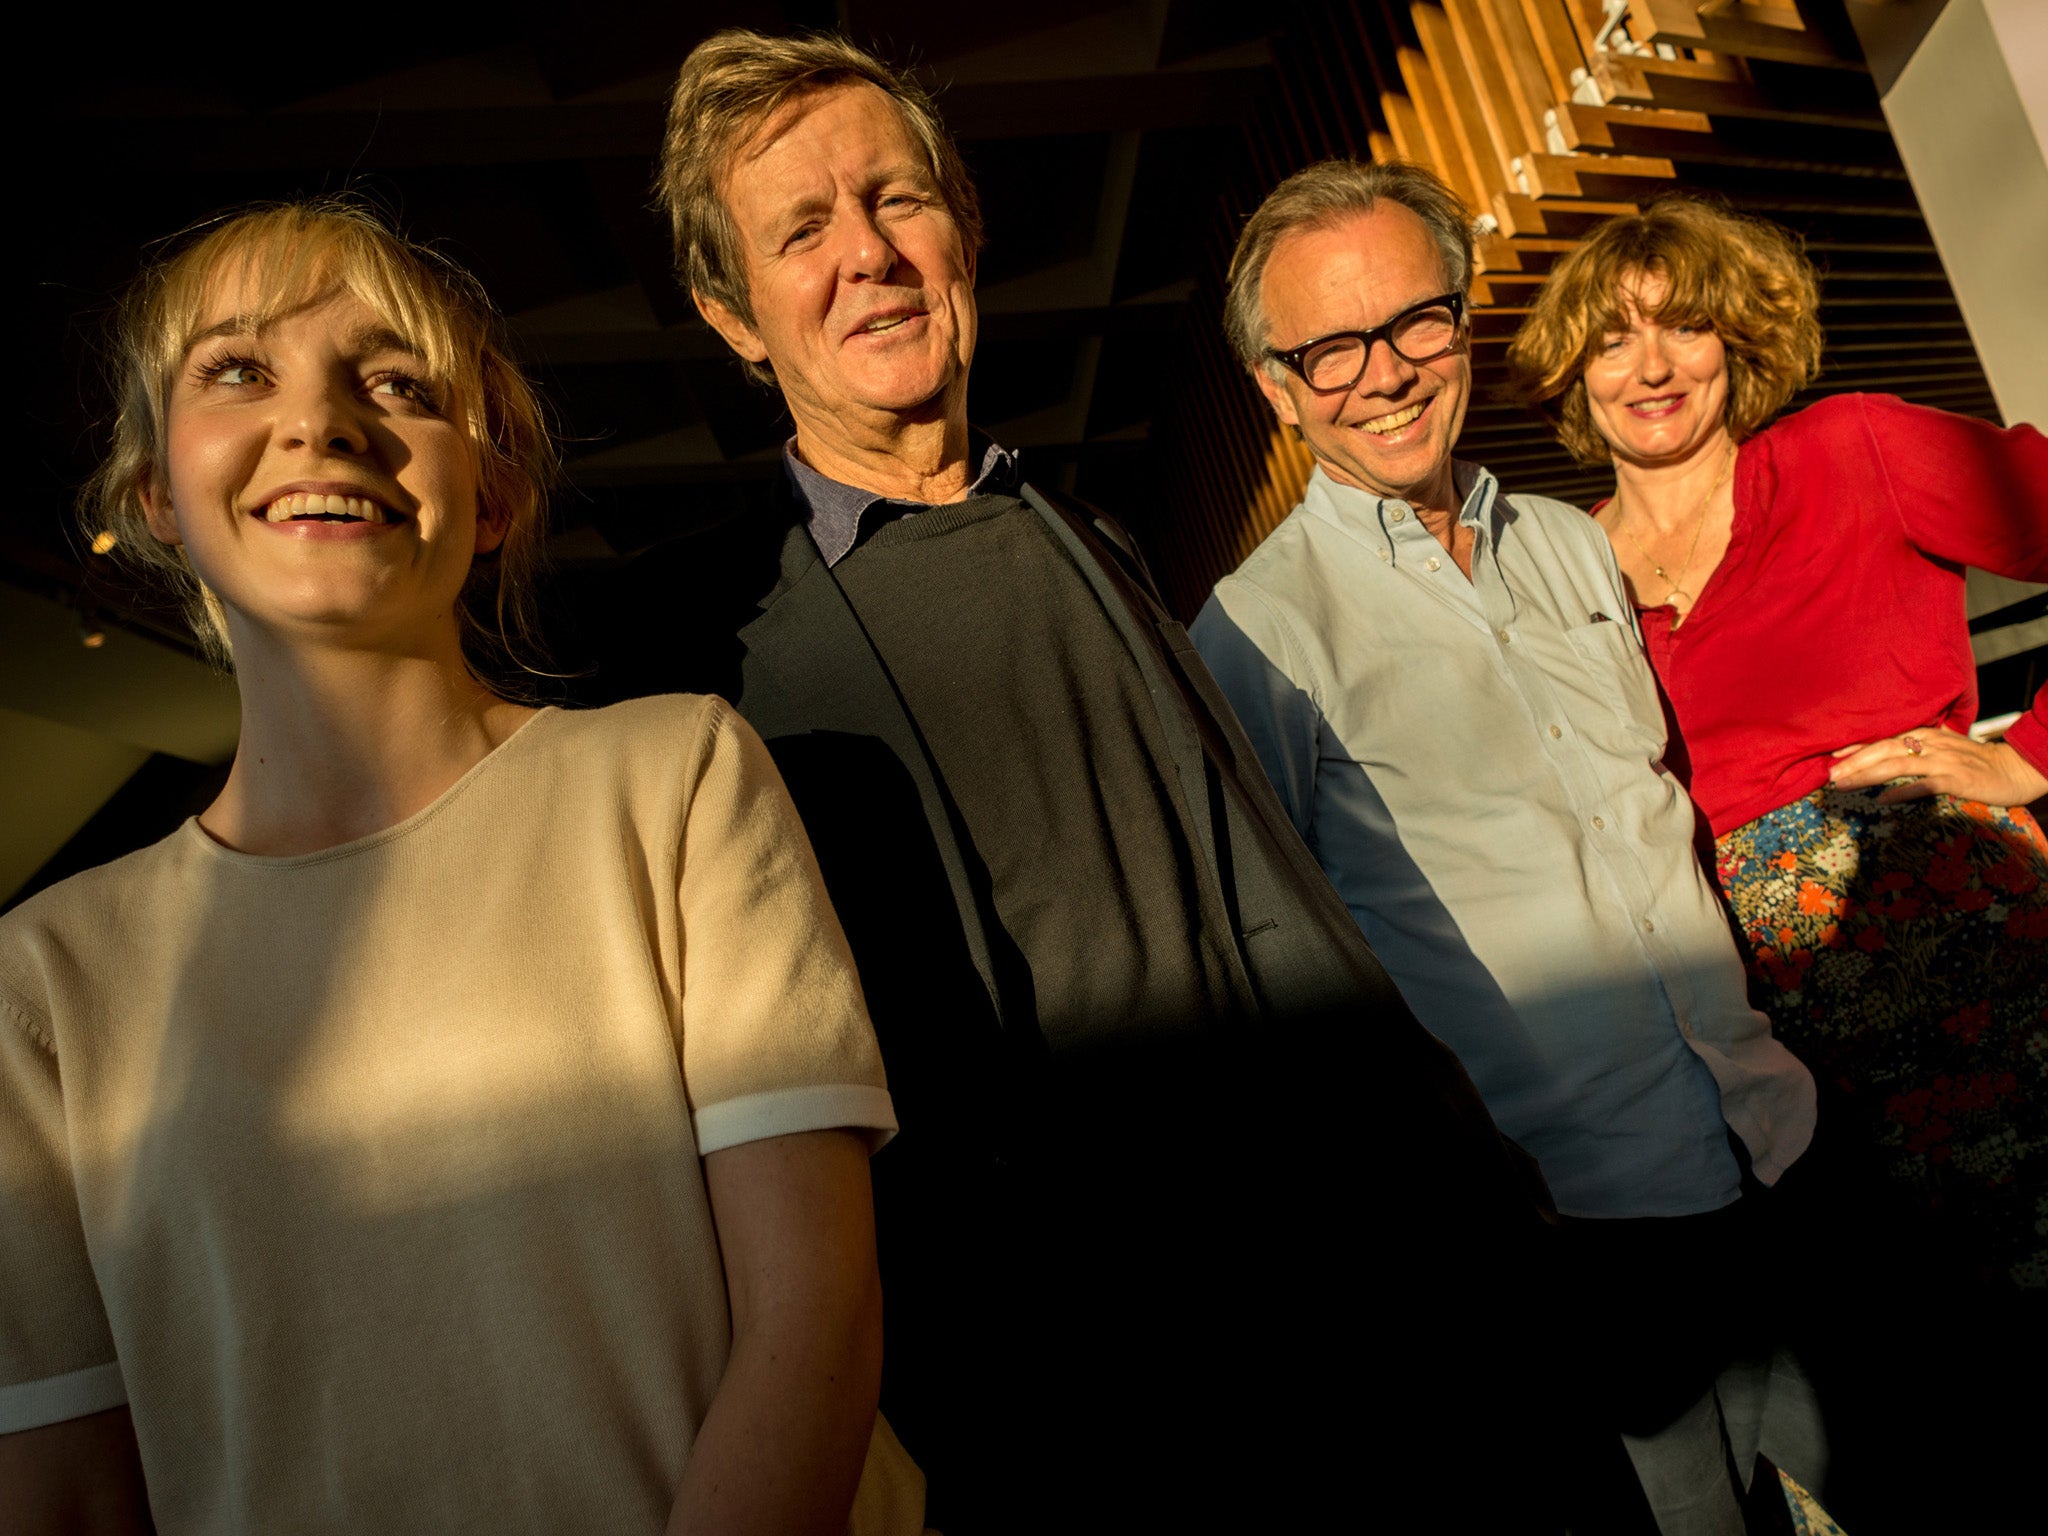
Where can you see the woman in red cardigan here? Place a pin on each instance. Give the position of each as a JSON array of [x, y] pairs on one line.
[[1800, 593]]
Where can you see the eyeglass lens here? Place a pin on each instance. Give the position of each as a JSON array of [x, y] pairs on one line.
[[1418, 338]]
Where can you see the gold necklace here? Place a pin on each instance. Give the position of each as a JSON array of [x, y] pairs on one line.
[[1699, 527]]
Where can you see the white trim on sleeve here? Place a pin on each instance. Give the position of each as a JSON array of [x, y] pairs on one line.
[[32, 1404], [786, 1111]]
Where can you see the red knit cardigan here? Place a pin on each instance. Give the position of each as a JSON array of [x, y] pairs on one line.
[[1837, 614]]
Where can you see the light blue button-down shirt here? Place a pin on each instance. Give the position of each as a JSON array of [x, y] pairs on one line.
[[1478, 766]]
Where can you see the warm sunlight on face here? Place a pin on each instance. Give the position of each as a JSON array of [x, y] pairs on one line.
[[317, 478], [863, 296], [1392, 432], [1658, 393]]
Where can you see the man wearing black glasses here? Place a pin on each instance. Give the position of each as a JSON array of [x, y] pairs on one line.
[[1445, 684]]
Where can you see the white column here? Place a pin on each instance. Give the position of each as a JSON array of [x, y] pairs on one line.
[[1969, 113]]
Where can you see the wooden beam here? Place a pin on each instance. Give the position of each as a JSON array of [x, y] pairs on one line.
[[1440, 150], [1593, 175], [1556, 44], [1634, 76], [1497, 253], [1486, 164], [1514, 288], [1491, 94], [1855, 107], [1540, 255], [1404, 126], [1745, 31], [1584, 127], [1585, 18], [1558, 218], [1507, 37], [1789, 152]]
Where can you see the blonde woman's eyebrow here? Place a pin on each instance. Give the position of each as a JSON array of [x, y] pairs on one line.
[[234, 325], [370, 338], [382, 338]]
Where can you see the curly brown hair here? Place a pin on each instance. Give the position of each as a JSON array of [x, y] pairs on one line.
[[1745, 279], [292, 254]]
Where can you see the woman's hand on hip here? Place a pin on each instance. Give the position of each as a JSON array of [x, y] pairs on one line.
[[1939, 761]]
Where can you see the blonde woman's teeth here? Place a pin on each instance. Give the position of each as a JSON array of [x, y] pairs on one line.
[[312, 504], [1395, 421]]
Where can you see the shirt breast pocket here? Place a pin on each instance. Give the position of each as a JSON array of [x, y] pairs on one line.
[[1618, 676]]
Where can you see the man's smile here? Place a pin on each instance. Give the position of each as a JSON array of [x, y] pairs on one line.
[[888, 321], [1394, 421]]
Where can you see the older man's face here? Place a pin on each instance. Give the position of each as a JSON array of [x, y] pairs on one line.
[[863, 295], [1391, 433]]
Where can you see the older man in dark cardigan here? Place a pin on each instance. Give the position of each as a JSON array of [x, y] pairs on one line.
[[1190, 1223]]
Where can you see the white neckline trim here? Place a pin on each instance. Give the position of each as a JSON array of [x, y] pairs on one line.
[[196, 835]]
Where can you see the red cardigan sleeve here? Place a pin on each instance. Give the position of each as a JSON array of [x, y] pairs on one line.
[[1972, 494]]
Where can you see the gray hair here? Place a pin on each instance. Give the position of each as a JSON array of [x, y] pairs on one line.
[[1318, 197]]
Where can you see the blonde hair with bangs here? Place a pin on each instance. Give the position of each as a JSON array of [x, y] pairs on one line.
[[289, 256], [1743, 278], [734, 82]]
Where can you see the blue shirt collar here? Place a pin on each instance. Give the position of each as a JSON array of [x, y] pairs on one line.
[[1360, 511]]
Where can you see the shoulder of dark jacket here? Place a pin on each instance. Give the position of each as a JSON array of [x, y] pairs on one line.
[[1122, 547]]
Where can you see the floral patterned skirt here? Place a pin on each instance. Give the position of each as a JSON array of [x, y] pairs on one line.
[[1901, 951]]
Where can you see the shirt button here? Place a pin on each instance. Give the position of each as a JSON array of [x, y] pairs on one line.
[[1648, 926], [1397, 515], [1685, 1028], [1381, 553], [1433, 562], [1600, 825], [1555, 733], [1501, 635]]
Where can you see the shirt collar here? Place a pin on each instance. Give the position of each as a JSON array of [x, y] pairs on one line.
[[837, 510], [1365, 515]]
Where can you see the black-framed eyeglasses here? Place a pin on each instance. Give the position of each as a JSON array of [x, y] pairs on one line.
[[1421, 333]]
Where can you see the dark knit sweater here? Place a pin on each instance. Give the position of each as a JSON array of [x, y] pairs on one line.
[[1042, 728]]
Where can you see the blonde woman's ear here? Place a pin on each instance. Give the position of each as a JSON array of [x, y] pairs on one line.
[[492, 524], [157, 510]]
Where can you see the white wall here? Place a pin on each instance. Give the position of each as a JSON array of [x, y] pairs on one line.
[[1969, 113]]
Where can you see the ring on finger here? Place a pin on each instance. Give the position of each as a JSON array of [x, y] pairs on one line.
[[1912, 745]]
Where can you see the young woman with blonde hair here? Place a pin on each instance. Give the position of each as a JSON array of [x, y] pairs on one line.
[[462, 1124]]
